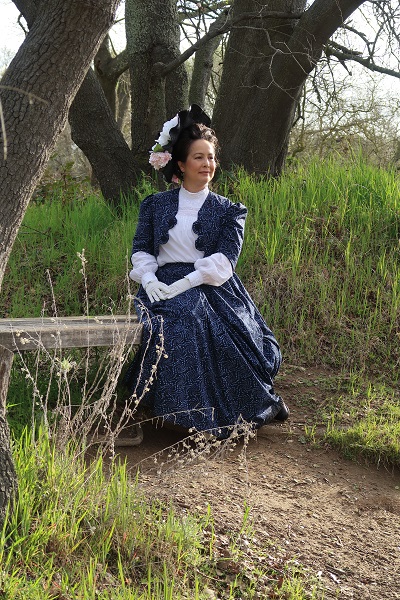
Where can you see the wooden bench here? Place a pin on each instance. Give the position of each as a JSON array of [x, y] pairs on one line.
[[20, 335]]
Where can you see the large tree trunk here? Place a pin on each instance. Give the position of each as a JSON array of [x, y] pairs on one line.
[[266, 64], [36, 93], [95, 131], [152, 40]]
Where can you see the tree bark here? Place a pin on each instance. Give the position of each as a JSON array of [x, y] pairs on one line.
[[266, 64], [36, 92], [202, 69], [152, 40], [95, 131], [108, 82], [8, 478]]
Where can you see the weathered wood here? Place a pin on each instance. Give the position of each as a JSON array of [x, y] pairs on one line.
[[6, 360], [69, 332]]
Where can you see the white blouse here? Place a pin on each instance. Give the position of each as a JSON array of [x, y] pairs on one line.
[[212, 270]]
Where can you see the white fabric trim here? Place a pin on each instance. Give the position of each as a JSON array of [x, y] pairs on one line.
[[212, 270]]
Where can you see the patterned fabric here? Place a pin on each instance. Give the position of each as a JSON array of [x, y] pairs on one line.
[[219, 356], [220, 224]]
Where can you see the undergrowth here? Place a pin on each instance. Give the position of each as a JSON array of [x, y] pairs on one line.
[[364, 422]]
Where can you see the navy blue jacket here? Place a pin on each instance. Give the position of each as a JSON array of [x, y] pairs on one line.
[[219, 225]]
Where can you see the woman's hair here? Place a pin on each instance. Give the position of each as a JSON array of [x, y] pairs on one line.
[[181, 148]]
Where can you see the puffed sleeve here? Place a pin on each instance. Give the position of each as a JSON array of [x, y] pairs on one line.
[[144, 267], [143, 261], [211, 270], [232, 232]]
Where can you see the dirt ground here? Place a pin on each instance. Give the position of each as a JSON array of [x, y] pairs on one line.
[[338, 518]]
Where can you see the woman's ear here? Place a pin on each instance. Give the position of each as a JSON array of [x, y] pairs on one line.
[[181, 165]]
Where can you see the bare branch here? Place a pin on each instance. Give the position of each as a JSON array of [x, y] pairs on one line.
[[365, 62], [212, 8], [115, 66], [343, 49], [220, 26], [28, 8]]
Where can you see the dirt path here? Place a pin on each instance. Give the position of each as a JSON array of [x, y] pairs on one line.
[[338, 518]]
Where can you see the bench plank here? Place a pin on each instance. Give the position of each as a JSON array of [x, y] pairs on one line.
[[69, 332]]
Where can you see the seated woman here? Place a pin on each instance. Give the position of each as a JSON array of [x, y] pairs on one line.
[[219, 357]]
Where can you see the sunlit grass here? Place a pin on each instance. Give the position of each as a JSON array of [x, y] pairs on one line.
[[321, 258], [365, 423], [79, 533]]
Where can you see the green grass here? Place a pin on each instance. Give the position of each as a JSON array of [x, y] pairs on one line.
[[322, 260], [77, 533], [364, 422]]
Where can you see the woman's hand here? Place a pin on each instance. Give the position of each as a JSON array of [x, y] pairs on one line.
[[178, 287], [157, 290]]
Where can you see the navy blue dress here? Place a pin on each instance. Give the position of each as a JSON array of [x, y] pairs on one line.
[[219, 357]]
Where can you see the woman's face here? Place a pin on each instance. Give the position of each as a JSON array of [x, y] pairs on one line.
[[199, 167]]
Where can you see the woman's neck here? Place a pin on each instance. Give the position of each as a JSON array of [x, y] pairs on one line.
[[194, 190]]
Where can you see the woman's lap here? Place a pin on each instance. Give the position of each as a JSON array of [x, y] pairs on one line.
[[219, 356]]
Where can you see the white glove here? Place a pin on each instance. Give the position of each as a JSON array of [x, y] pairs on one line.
[[156, 290], [178, 287]]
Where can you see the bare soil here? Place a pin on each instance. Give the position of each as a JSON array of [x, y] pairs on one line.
[[338, 518]]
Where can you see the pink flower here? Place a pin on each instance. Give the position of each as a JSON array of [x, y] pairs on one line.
[[158, 160], [175, 179]]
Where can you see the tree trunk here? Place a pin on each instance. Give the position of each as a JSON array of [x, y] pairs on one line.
[[266, 64], [152, 40], [36, 93], [8, 479], [109, 84], [202, 69], [124, 105], [95, 131]]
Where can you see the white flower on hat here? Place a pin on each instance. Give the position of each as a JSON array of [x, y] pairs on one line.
[[164, 137]]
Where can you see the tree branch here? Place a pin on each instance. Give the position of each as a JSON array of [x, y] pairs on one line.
[[340, 48], [28, 8], [115, 66], [205, 9], [220, 26], [365, 62]]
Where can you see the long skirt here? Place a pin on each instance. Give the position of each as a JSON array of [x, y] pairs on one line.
[[207, 359]]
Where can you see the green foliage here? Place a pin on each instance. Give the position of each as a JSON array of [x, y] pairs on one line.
[[79, 533], [322, 261]]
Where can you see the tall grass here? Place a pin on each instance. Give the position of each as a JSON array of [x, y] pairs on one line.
[[77, 533], [322, 259]]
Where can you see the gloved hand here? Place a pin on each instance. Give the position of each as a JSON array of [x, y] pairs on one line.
[[156, 290], [178, 287]]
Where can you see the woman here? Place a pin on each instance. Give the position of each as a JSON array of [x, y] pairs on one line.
[[216, 369]]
